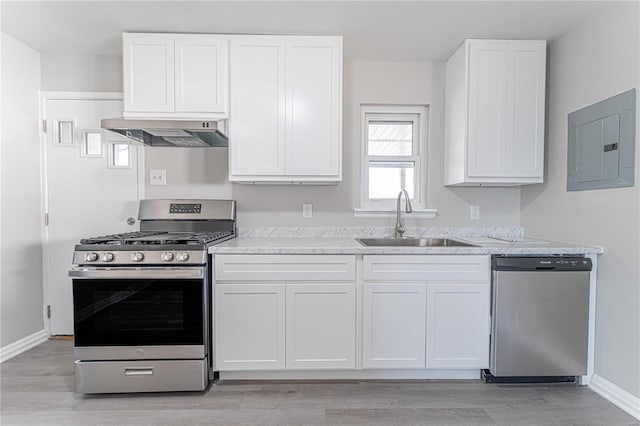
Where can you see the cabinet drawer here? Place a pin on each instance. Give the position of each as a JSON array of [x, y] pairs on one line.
[[140, 376], [243, 267], [426, 268]]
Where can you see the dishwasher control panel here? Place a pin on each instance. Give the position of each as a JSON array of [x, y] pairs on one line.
[[548, 263]]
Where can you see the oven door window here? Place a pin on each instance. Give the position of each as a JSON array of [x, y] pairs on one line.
[[127, 312]]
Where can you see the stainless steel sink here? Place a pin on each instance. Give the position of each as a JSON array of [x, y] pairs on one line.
[[412, 242]]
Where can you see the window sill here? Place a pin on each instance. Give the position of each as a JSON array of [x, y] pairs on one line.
[[417, 213]]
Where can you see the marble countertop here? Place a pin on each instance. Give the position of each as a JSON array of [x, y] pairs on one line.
[[511, 245]]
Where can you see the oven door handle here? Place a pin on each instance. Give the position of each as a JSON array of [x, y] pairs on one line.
[[138, 273]]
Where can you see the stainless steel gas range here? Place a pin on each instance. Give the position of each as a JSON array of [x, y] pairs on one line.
[[142, 300]]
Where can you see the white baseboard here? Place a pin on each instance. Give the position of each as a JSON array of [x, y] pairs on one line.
[[16, 348], [616, 395], [349, 374]]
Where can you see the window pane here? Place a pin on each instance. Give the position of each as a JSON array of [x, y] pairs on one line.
[[92, 144], [65, 132], [120, 154], [390, 138], [386, 179]]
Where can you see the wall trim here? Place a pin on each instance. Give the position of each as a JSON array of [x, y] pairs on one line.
[[616, 395], [19, 346]]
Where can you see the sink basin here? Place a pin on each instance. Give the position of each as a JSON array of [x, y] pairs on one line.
[[412, 242]]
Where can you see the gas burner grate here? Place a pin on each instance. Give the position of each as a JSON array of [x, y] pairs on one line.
[[156, 238], [119, 239], [199, 238]]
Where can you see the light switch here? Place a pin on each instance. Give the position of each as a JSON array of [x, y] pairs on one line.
[[157, 177], [307, 211]]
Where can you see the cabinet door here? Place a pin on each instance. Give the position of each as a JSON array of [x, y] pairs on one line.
[[313, 81], [201, 72], [257, 119], [249, 326], [458, 325], [394, 326], [487, 99], [148, 61], [525, 108], [321, 326]]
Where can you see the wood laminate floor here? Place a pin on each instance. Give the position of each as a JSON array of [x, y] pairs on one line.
[[37, 390]]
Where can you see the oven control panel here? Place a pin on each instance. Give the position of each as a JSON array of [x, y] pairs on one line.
[[148, 257], [185, 208]]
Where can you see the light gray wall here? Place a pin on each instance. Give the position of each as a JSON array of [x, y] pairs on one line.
[[203, 173], [21, 247], [76, 73], [594, 61]]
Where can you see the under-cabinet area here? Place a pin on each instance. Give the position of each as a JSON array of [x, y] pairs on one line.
[[354, 312]]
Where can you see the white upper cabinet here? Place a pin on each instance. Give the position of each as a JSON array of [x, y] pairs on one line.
[[487, 93], [175, 76], [313, 106], [286, 109], [257, 106], [148, 61], [201, 73], [495, 113], [525, 109]]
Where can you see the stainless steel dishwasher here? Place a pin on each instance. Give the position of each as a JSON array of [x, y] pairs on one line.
[[539, 317]]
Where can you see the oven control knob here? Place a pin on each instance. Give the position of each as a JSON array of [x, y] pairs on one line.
[[167, 256], [182, 257], [137, 256], [91, 257], [106, 257]]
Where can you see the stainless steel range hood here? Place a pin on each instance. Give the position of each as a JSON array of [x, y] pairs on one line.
[[190, 134]]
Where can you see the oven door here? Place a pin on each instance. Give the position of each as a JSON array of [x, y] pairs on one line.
[[140, 313]]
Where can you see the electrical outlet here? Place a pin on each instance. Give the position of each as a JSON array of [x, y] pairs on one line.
[[307, 211], [157, 177], [474, 212]]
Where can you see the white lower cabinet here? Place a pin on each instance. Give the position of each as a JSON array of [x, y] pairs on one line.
[[394, 326], [321, 326], [285, 311], [249, 326], [310, 312], [458, 325], [426, 311]]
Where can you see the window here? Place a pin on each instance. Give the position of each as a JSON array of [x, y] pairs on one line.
[[119, 155], [91, 143], [64, 130], [393, 155]]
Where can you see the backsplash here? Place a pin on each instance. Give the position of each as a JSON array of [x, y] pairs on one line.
[[378, 231]]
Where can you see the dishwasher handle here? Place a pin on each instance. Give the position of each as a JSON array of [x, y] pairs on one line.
[[541, 263]]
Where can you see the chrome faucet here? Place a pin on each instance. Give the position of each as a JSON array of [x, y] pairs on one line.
[[408, 209]]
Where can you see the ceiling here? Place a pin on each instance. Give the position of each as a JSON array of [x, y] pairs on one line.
[[372, 30]]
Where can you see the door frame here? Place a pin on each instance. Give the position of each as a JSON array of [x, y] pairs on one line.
[[44, 97]]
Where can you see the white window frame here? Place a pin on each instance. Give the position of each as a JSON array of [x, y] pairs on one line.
[[419, 116], [84, 143], [56, 142], [110, 157]]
